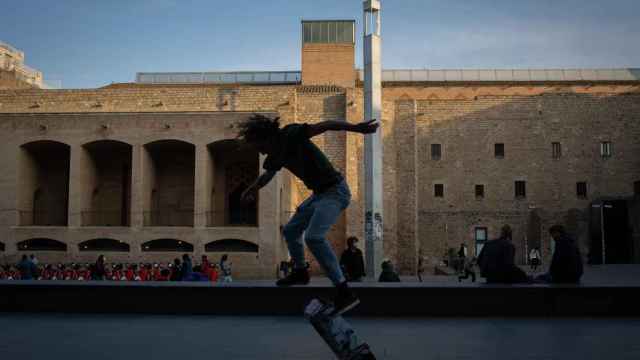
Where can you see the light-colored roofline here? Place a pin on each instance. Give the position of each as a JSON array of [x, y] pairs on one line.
[[507, 75], [398, 75]]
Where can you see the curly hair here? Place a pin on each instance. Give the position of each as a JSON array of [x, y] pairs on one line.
[[258, 127]]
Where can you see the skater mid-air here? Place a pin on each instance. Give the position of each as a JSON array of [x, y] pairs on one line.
[[291, 147]]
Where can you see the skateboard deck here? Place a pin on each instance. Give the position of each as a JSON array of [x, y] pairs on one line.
[[336, 332]]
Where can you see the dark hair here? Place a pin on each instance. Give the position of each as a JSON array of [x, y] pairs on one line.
[[258, 127], [556, 228], [352, 240], [506, 232]]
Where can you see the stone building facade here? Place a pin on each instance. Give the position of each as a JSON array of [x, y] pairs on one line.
[[144, 172]]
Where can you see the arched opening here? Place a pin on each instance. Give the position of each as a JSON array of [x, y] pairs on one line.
[[43, 183], [41, 244], [167, 245], [234, 167], [231, 245], [104, 245], [169, 182], [107, 183]]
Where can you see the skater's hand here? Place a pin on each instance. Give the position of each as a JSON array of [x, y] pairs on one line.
[[248, 196], [367, 127]]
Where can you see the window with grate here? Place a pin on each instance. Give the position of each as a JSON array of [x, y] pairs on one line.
[[605, 149], [481, 238], [479, 191], [438, 190], [436, 151], [499, 150], [581, 189], [556, 150], [521, 189]]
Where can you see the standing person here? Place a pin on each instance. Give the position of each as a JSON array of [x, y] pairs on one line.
[[291, 147], [187, 268], [462, 257], [469, 270], [534, 258], [566, 263], [421, 269], [176, 271], [352, 261], [225, 268], [99, 269], [27, 268]]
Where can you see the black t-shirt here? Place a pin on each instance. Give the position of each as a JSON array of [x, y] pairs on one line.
[[298, 154]]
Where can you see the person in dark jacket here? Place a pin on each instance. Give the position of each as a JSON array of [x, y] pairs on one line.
[[176, 272], [388, 274], [566, 264], [496, 260], [187, 268], [352, 261], [99, 270], [27, 268]]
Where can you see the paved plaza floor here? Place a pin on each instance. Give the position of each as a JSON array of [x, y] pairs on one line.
[[109, 337]]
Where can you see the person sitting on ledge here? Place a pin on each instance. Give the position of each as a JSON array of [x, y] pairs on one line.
[[388, 274], [352, 261], [496, 261], [566, 264]]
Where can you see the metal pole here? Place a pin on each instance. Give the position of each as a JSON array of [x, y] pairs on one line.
[[374, 249], [602, 233]]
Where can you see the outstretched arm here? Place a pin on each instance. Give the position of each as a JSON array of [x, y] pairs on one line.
[[248, 194], [365, 127]]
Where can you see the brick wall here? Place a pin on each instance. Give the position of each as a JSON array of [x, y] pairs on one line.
[[328, 64]]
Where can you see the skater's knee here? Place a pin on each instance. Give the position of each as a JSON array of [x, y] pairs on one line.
[[290, 232], [312, 239]]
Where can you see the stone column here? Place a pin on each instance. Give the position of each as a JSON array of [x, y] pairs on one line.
[[81, 178], [137, 191], [202, 200], [407, 192], [269, 239]]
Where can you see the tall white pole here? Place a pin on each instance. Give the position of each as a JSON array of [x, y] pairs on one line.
[[374, 249]]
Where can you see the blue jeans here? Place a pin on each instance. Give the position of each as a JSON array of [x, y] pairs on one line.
[[314, 217]]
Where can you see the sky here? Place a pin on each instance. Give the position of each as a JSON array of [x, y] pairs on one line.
[[92, 43]]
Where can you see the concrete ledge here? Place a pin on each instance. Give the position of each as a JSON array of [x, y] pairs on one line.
[[261, 298]]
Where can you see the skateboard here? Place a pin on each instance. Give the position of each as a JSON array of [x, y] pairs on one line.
[[337, 332]]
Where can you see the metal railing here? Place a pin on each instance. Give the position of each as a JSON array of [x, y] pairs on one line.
[[104, 218], [42, 218], [508, 75], [239, 218], [168, 218], [234, 77]]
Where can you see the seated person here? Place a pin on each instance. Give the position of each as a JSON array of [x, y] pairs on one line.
[[496, 261], [388, 274], [566, 264]]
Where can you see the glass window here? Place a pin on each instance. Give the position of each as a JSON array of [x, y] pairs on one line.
[[479, 191], [438, 190], [436, 151], [481, 238], [499, 150], [306, 32], [556, 150], [521, 189], [605, 149], [581, 189]]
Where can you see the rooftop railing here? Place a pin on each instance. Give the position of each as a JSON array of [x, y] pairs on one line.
[[236, 77], [509, 75]]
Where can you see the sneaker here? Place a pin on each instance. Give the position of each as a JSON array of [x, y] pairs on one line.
[[344, 301], [297, 277]]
